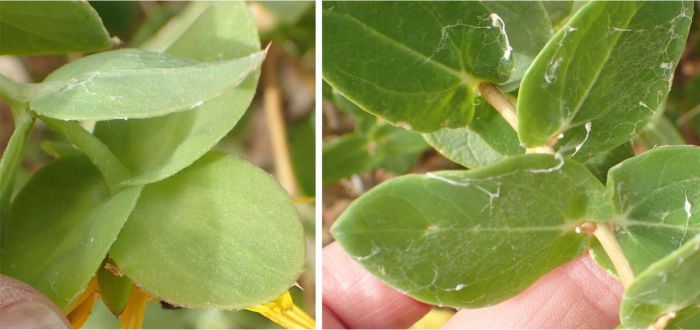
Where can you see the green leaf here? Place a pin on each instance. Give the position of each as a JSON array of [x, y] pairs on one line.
[[603, 76], [347, 155], [667, 286], [221, 233], [57, 149], [11, 160], [558, 10], [397, 148], [688, 318], [364, 121], [61, 226], [111, 168], [460, 238], [50, 27], [393, 148], [157, 33], [156, 148], [487, 139], [528, 29], [656, 195], [302, 147], [659, 131], [601, 163], [131, 83], [414, 63], [114, 290]]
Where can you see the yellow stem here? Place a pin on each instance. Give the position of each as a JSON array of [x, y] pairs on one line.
[[540, 150], [500, 102], [132, 316], [613, 249], [662, 322], [304, 200], [284, 312], [272, 99]]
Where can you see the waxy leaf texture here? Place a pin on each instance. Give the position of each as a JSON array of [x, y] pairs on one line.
[[473, 238]]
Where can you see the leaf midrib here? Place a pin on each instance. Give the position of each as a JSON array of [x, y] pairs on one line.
[[594, 81]]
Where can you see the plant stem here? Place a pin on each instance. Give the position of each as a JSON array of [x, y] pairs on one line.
[[662, 322], [272, 100], [109, 165], [613, 249], [12, 157], [10, 91], [500, 102]]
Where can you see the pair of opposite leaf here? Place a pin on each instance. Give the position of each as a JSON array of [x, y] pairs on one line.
[[191, 227], [418, 65], [460, 238]]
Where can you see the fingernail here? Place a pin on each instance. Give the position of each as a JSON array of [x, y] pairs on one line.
[[31, 316]]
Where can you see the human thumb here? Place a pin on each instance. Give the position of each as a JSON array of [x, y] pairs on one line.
[[21, 306]]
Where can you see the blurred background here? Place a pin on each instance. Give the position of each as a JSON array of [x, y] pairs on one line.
[[277, 132], [361, 151]]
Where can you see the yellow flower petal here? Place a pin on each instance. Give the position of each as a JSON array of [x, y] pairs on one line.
[[283, 312], [82, 308], [434, 320], [87, 293], [132, 316]]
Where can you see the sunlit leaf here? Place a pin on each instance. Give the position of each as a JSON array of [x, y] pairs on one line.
[[459, 238], [667, 286], [155, 148], [558, 10], [222, 233], [657, 197], [131, 83], [487, 139], [528, 29], [61, 226], [603, 76], [414, 63]]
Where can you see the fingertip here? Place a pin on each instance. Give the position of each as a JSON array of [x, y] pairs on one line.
[[359, 300], [21, 306], [578, 294]]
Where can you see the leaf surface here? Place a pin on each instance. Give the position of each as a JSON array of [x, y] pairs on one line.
[[603, 76], [61, 226], [345, 156], [382, 145], [602, 162], [414, 63], [657, 201], [131, 83], [155, 148], [558, 10], [222, 233], [459, 238], [667, 286], [487, 139], [528, 29], [660, 131], [50, 27]]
